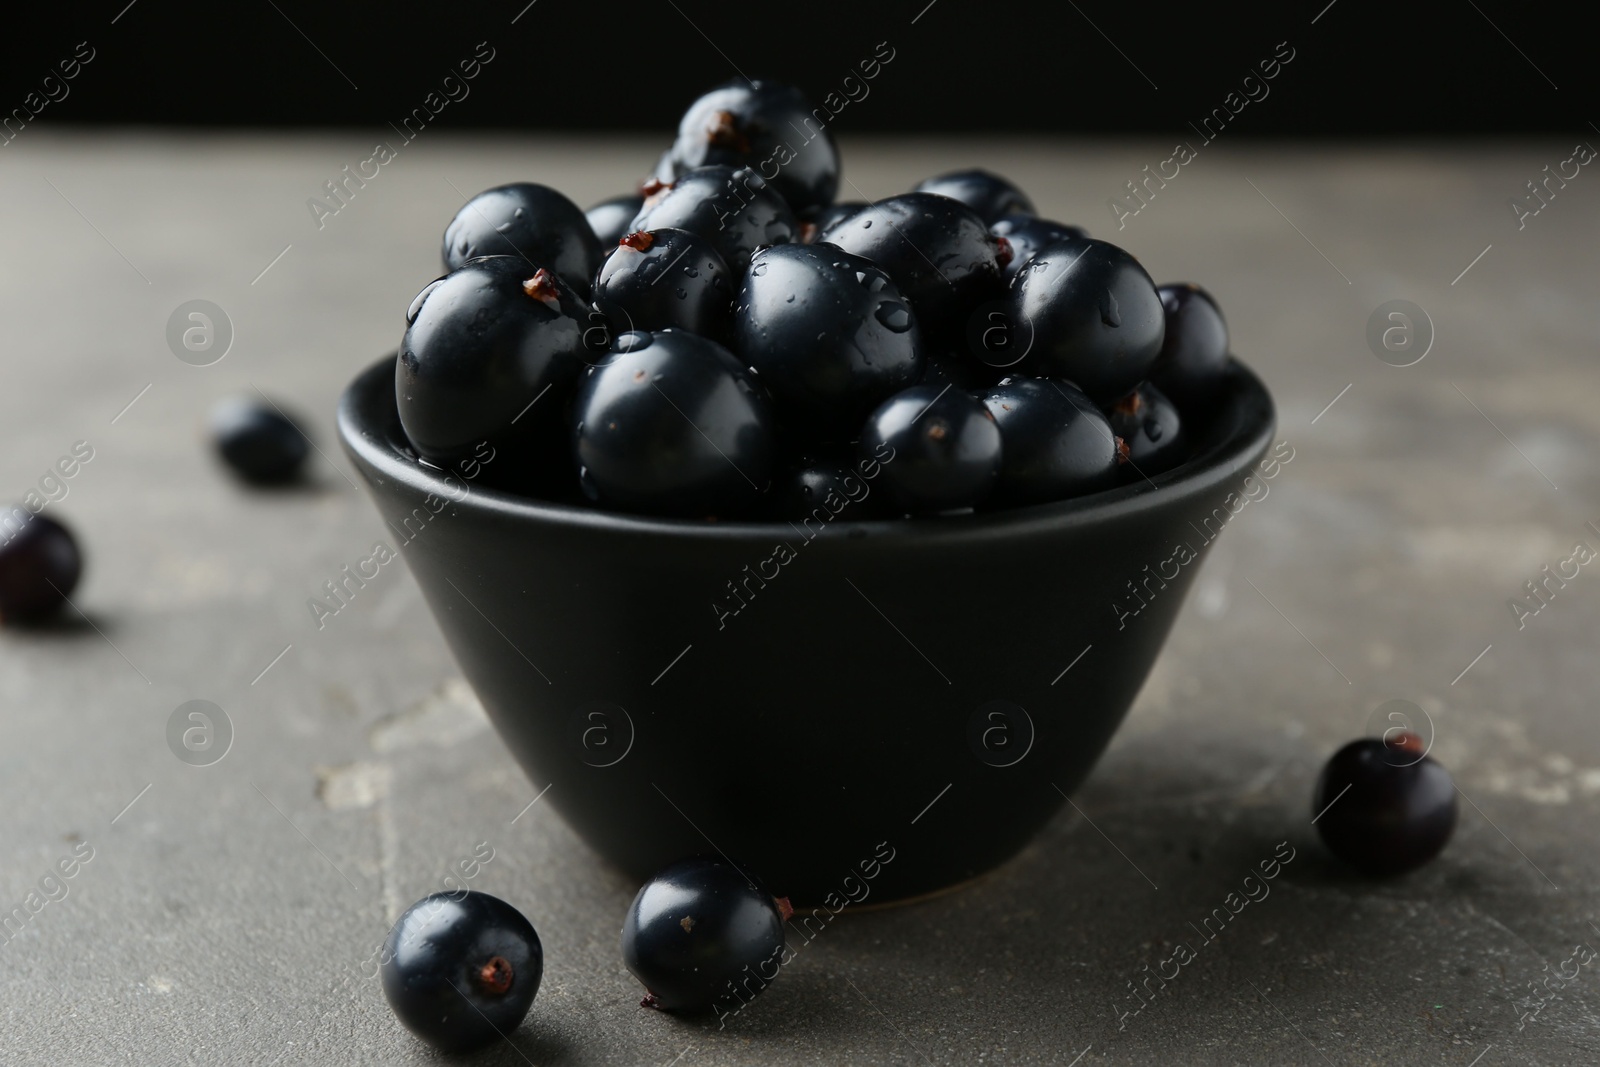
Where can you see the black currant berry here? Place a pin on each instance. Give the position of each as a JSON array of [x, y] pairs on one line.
[[766, 126], [829, 334], [1149, 425], [39, 565], [940, 254], [827, 492], [1029, 233], [485, 345], [672, 424], [822, 218], [1056, 444], [661, 278], [939, 448], [1194, 353], [1383, 806], [531, 221], [610, 219], [257, 441], [990, 196], [701, 935], [461, 969], [733, 208], [1092, 314]]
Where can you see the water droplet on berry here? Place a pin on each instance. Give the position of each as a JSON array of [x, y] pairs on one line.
[[758, 270], [894, 315], [1108, 310], [416, 305]]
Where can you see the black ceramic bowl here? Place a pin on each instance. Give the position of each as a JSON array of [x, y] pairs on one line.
[[851, 709]]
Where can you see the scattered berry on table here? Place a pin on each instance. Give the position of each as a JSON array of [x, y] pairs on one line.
[[258, 441], [1383, 806], [461, 969], [39, 565], [700, 933]]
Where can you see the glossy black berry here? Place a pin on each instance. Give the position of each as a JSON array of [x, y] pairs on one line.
[[1148, 424], [702, 936], [989, 196], [672, 424], [527, 220], [829, 334], [1194, 352], [766, 126], [1055, 442], [940, 449], [825, 492], [1092, 315], [821, 219], [1027, 234], [733, 208], [39, 565], [610, 219], [257, 441], [661, 278], [461, 969], [939, 253], [1383, 806], [486, 347]]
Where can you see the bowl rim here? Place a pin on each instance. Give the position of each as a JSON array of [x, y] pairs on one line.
[[367, 411]]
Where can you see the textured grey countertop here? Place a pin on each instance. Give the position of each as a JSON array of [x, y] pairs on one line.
[[226, 910]]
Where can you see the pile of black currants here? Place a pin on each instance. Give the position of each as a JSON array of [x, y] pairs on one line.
[[731, 343]]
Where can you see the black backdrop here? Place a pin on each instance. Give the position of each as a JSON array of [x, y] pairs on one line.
[[1359, 67]]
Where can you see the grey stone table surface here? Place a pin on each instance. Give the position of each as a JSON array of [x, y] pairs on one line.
[[224, 913]]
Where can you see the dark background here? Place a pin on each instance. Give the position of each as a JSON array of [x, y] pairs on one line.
[[1361, 69]]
